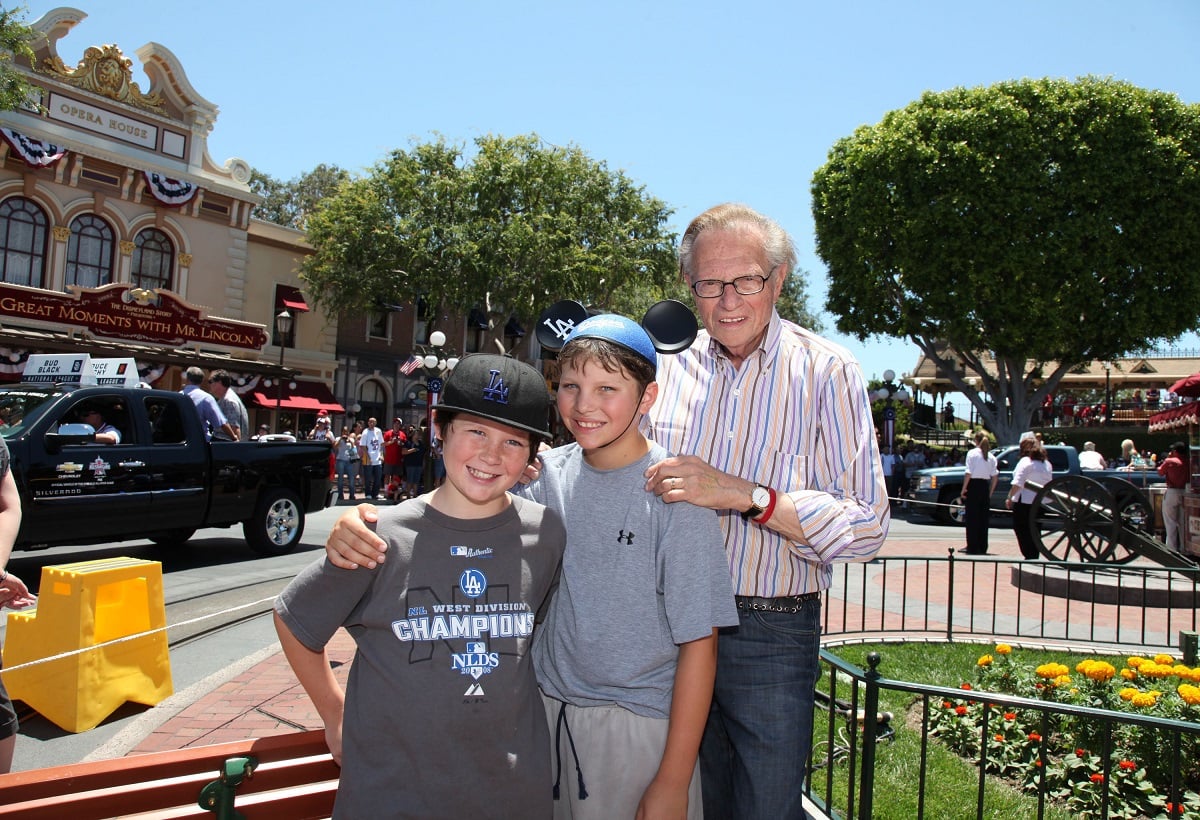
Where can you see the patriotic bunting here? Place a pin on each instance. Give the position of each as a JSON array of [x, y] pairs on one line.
[[36, 153], [173, 192]]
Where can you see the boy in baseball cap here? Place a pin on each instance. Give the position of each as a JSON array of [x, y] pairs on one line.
[[443, 677]]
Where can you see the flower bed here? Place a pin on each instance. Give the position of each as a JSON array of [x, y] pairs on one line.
[[1069, 754]]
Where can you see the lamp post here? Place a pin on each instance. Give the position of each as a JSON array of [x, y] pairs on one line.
[[283, 328], [888, 391], [437, 361], [1107, 393]]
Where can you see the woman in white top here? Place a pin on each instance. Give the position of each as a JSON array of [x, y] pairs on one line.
[[1033, 466], [978, 486]]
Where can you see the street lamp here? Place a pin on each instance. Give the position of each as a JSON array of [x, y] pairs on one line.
[[888, 391], [283, 328], [1107, 393], [437, 361]]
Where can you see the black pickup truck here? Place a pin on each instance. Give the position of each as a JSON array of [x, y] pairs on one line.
[[162, 481]]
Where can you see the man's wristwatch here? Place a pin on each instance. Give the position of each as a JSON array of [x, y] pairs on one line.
[[761, 498]]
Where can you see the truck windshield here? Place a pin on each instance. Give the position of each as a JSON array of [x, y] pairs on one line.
[[20, 407]]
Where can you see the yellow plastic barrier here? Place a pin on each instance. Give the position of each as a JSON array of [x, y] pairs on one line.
[[82, 605]]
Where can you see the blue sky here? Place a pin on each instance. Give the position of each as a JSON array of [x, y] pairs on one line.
[[700, 102]]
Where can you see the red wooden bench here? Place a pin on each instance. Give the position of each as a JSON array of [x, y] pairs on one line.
[[288, 777]]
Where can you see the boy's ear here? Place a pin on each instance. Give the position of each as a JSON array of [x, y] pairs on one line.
[[649, 396]]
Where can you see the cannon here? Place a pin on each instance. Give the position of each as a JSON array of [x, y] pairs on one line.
[[1080, 518]]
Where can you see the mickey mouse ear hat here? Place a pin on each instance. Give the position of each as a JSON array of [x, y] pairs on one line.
[[667, 327]]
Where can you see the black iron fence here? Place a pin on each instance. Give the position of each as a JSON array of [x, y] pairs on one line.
[[1136, 608]]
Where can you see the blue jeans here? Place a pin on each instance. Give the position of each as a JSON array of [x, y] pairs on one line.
[[346, 472], [372, 478], [759, 732]]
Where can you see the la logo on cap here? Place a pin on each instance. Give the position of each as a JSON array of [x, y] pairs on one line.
[[496, 389]]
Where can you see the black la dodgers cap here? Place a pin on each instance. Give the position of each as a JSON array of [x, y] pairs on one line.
[[499, 388]]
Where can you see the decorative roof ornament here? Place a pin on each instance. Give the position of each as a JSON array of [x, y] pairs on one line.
[[104, 70]]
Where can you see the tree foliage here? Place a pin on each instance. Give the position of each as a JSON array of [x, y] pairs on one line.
[[793, 301], [1017, 231], [513, 228], [16, 40], [289, 203]]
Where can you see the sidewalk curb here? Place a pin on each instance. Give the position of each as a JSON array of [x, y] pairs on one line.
[[132, 735]]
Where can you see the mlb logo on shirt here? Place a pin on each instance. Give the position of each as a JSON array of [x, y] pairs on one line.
[[459, 552], [476, 646]]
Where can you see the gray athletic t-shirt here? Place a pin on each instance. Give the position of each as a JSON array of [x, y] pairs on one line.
[[442, 715], [640, 577]]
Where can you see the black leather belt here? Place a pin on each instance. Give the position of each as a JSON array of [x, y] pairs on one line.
[[785, 603]]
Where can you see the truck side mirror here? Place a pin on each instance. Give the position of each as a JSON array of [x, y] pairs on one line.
[[69, 434]]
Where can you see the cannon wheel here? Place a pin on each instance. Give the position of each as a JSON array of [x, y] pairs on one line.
[[1073, 518]]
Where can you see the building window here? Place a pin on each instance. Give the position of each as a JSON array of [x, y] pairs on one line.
[[421, 324], [90, 252], [373, 398], [477, 327], [377, 324], [22, 242], [153, 260]]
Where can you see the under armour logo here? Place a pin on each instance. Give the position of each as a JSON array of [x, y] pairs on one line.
[[627, 537], [496, 390]]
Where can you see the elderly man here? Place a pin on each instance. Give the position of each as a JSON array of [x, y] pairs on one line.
[[211, 417], [221, 384], [774, 431], [774, 427]]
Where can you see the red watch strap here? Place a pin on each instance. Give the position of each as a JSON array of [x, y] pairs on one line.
[[770, 510]]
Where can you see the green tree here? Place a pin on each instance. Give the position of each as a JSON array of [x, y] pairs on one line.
[[16, 40], [1019, 229], [289, 203], [515, 227], [793, 301]]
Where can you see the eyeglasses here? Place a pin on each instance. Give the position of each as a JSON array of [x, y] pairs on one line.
[[743, 286]]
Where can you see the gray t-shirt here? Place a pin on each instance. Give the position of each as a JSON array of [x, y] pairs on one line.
[[640, 577], [442, 714]]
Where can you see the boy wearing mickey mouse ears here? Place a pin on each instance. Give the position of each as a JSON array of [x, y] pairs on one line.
[[627, 655]]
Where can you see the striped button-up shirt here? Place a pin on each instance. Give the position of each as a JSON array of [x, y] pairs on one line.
[[795, 417]]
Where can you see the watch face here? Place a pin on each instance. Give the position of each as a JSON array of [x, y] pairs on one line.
[[760, 497]]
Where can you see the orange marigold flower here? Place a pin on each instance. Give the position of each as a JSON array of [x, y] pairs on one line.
[[999, 738], [1190, 694], [1144, 699], [960, 710], [1010, 715], [1134, 662], [1128, 765], [1128, 674], [1035, 737], [1081, 752], [984, 660], [1050, 671], [1003, 649], [947, 704], [1164, 659], [966, 686], [1097, 777]]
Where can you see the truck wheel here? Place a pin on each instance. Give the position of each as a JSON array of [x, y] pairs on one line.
[[277, 524], [173, 538], [950, 508]]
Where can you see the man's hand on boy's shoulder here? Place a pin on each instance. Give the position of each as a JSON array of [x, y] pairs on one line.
[[534, 469], [691, 479], [351, 542]]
